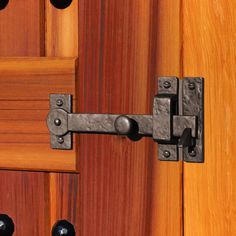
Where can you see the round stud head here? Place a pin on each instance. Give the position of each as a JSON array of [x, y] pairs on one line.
[[124, 125], [3, 4], [63, 228], [6, 225], [61, 4]]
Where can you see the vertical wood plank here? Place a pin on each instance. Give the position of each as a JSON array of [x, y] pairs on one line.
[[62, 40], [209, 51], [22, 31], [24, 195], [125, 190], [62, 30]]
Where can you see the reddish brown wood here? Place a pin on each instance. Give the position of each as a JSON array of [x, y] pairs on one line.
[[125, 190], [62, 40], [24, 136], [22, 28], [24, 195]]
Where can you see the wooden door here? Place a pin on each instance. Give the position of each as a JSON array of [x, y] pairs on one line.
[[107, 54], [209, 50]]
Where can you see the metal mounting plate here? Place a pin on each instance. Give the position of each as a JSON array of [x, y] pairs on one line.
[[62, 101], [193, 104]]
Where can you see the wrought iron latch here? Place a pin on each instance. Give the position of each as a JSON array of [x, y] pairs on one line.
[[176, 123]]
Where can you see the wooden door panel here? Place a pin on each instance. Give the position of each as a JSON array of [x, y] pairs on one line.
[[25, 198], [124, 189], [209, 51], [24, 138], [22, 28]]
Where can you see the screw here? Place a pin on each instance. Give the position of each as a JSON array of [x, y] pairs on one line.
[[191, 86], [192, 153], [167, 84], [166, 154], [57, 122], [60, 140], [59, 102]]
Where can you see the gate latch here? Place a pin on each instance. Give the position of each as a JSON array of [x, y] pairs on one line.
[[176, 123]]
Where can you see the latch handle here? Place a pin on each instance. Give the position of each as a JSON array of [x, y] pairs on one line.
[[176, 123]]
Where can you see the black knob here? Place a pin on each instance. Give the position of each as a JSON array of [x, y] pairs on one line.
[[63, 228], [3, 4], [60, 4], [6, 225]]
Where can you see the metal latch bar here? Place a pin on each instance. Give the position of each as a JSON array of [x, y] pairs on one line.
[[177, 134]]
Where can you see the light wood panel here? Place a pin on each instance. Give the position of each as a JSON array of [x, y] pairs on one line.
[[24, 135], [24, 196], [62, 30], [209, 51], [22, 28], [62, 40], [125, 190]]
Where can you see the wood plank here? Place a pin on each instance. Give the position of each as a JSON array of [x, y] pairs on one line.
[[21, 124], [62, 40], [62, 30], [209, 51], [24, 197], [22, 28], [125, 190], [22, 34]]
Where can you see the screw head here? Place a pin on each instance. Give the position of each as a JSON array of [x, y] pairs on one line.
[[60, 140], [59, 102], [191, 86], [167, 84], [166, 154], [57, 122], [193, 153]]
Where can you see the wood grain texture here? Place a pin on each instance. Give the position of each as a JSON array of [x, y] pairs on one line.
[[209, 51], [62, 40], [24, 197], [24, 135], [22, 28], [124, 189], [62, 30]]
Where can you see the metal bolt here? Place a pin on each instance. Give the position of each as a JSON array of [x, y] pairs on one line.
[[59, 102], [166, 154], [57, 122], [191, 86], [167, 84], [60, 140], [192, 153]]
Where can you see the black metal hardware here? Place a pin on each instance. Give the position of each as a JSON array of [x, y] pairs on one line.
[[63, 228], [3, 4], [176, 123], [61, 4], [6, 225]]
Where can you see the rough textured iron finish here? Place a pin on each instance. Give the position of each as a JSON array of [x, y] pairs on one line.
[[193, 104], [176, 131], [62, 113]]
